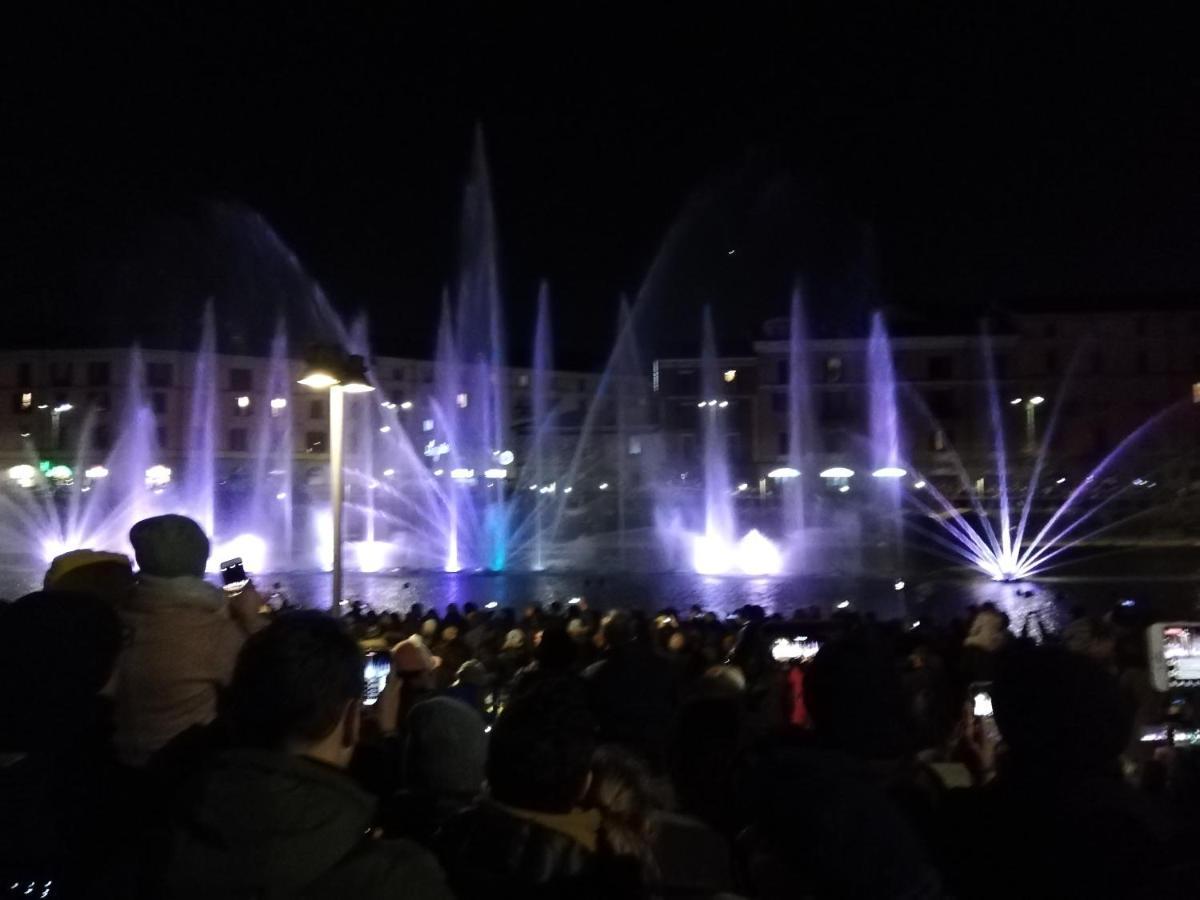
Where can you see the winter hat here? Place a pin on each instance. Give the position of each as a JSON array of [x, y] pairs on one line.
[[106, 575], [445, 750], [411, 656], [169, 546]]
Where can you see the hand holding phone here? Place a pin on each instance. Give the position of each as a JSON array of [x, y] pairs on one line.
[[377, 665], [1174, 654], [233, 575]]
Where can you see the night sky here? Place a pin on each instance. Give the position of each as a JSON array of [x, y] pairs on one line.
[[935, 161]]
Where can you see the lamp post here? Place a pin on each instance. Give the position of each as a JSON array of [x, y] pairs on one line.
[[1031, 406], [329, 369], [55, 422]]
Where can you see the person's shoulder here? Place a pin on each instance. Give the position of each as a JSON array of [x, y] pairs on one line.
[[386, 869]]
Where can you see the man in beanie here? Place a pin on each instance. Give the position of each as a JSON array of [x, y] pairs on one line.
[[186, 635], [108, 576]]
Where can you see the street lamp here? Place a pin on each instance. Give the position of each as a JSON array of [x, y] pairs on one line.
[[329, 369], [1031, 406]]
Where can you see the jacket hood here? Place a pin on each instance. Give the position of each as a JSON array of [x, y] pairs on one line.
[[265, 821]]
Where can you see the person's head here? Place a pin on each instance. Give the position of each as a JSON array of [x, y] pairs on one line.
[[514, 640], [58, 654], [108, 576], [170, 546], [624, 792], [298, 686], [541, 750], [450, 633], [414, 664], [1059, 711], [445, 748], [854, 693], [556, 651], [618, 630]]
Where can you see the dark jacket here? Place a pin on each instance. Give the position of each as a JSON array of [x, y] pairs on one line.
[[265, 824], [492, 853]]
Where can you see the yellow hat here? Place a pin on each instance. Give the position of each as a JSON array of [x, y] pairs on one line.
[[73, 560]]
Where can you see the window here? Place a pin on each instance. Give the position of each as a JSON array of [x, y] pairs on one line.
[[61, 374], [783, 443], [781, 371], [635, 446], [99, 373], [941, 368], [101, 438], [158, 401], [940, 440], [316, 409], [833, 369], [315, 441], [159, 374], [730, 376], [237, 440], [779, 402], [24, 374], [99, 401], [23, 402], [241, 379], [1051, 362], [523, 380], [161, 435], [241, 406], [427, 425], [398, 374], [1002, 365]]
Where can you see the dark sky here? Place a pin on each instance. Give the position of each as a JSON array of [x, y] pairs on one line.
[[933, 157]]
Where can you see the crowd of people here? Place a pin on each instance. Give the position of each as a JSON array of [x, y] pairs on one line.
[[163, 738]]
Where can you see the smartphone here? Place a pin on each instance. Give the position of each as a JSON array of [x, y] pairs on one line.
[[795, 649], [233, 574], [1174, 654], [377, 664], [981, 708], [981, 700]]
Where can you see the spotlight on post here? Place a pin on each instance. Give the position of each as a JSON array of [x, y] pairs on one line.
[[889, 472], [158, 477], [783, 473], [1037, 401], [328, 368], [95, 472]]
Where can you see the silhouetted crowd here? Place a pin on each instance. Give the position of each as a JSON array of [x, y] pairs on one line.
[[163, 738]]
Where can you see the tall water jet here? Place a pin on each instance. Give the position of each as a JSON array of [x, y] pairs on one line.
[[884, 430], [443, 446], [718, 488], [481, 400], [800, 426], [542, 428], [273, 487], [363, 444], [200, 453]]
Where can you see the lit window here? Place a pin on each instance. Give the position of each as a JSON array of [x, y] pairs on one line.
[[1195, 393], [730, 376], [278, 405], [27, 400], [427, 425], [243, 402], [462, 400]]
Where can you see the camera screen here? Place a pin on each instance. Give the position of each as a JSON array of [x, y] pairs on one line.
[[376, 667], [1181, 651], [982, 705], [797, 648]]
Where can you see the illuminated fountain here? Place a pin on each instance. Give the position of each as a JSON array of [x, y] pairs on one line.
[[996, 532]]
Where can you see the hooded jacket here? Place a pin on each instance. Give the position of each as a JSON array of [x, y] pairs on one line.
[[265, 825]]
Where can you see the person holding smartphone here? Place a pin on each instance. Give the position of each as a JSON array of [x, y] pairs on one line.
[[185, 637]]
